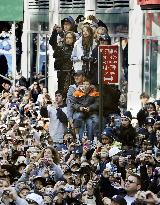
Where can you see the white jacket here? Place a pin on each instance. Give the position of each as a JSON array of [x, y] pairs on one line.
[[78, 52]]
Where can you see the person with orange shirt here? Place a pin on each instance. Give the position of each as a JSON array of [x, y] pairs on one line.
[[86, 108]]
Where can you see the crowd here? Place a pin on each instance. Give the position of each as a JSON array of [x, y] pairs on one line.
[[51, 150]]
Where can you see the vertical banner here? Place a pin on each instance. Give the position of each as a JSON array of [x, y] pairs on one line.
[[109, 64]]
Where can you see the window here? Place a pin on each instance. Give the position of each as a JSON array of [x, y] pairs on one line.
[[151, 62]]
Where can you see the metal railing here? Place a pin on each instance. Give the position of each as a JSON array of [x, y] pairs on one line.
[[72, 4], [38, 4], [104, 4]]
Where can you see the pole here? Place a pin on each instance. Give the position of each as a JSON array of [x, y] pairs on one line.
[[46, 66], [14, 53], [100, 81]]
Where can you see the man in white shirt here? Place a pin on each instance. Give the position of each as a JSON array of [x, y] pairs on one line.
[[58, 119], [132, 186]]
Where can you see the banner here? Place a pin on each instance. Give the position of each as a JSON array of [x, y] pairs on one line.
[[109, 63], [148, 2], [11, 10]]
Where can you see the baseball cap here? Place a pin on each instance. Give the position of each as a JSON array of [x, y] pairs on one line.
[[40, 178], [114, 151], [79, 72], [36, 198], [119, 199]]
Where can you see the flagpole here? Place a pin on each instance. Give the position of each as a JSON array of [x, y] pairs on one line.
[[14, 53]]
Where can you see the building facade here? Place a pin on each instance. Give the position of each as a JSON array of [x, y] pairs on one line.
[[134, 21], [144, 51]]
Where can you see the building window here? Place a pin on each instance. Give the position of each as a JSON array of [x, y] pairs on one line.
[[151, 63]]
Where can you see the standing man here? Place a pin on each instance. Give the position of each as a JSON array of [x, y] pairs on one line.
[[58, 119], [141, 115]]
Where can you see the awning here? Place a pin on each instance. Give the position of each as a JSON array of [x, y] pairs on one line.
[[11, 10]]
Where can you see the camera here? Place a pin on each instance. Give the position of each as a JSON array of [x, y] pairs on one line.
[[6, 192], [94, 184], [52, 173], [118, 175]]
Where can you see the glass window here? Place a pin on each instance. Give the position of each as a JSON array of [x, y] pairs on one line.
[[151, 63], [41, 20]]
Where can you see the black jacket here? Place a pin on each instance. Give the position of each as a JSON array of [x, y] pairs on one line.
[[107, 190], [127, 135], [111, 96], [62, 55]]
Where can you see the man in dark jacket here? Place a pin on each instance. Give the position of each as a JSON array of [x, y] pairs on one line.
[[86, 109], [132, 185], [127, 133], [67, 24], [63, 63]]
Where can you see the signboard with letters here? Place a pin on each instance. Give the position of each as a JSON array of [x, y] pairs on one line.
[[148, 2], [109, 63]]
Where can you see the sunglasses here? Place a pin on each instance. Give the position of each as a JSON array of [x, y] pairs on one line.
[[130, 181], [30, 201]]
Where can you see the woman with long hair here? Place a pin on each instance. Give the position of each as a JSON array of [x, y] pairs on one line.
[[47, 160], [82, 50]]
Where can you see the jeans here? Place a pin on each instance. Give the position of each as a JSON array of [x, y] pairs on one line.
[[91, 121]]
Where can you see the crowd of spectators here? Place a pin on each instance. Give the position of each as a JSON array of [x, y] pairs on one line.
[[51, 150]]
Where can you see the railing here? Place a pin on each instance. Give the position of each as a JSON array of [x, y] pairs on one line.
[[104, 4], [72, 4], [38, 4]]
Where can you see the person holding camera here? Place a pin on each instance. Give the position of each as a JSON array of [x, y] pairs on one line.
[[81, 54], [79, 77], [57, 37], [126, 133], [58, 119], [88, 197], [86, 109], [63, 63], [132, 185]]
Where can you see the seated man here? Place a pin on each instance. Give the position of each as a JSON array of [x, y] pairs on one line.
[[85, 109]]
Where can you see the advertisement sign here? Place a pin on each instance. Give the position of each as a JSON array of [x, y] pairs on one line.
[[109, 63]]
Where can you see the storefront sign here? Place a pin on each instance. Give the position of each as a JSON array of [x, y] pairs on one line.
[[148, 2], [110, 63]]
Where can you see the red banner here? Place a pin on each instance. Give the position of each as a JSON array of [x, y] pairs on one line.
[[148, 2], [110, 64]]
